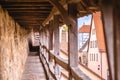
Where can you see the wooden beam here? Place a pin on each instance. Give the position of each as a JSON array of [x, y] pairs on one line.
[[25, 4], [54, 11], [30, 11], [56, 42], [27, 14], [107, 13], [74, 1], [29, 19], [56, 34], [25, 0], [30, 16], [51, 35], [67, 19], [23, 23], [28, 22], [116, 20], [72, 38]]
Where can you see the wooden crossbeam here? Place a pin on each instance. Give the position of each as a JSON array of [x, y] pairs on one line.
[[30, 11], [28, 14], [28, 4], [29, 18], [29, 8], [25, 0], [67, 19]]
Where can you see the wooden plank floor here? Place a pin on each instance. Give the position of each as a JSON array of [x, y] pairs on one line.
[[33, 69]]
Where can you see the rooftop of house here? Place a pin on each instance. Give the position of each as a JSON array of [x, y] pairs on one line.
[[99, 31], [84, 29]]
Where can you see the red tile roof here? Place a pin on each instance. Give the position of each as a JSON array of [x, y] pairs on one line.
[[84, 29], [99, 31]]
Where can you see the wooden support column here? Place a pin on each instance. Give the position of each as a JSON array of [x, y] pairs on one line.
[[51, 35], [107, 13], [56, 42], [47, 36], [111, 20], [56, 34], [73, 38], [117, 38]]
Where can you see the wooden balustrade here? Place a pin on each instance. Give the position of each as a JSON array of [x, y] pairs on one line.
[[46, 66], [64, 64]]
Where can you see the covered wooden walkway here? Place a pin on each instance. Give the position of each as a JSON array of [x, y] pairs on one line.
[[21, 20]]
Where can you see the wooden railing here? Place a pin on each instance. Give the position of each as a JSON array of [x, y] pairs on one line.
[[47, 55], [85, 69]]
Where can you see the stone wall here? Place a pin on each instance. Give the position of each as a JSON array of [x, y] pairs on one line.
[[13, 47]]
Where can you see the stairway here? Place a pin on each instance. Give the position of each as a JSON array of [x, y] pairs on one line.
[[33, 69]]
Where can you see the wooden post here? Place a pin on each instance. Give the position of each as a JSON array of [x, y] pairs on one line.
[[117, 38], [56, 34], [107, 13], [111, 17], [72, 38], [51, 35], [56, 42]]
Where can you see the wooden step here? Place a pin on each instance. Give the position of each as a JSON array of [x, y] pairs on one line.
[[33, 69]]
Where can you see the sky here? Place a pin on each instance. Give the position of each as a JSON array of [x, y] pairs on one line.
[[84, 20]]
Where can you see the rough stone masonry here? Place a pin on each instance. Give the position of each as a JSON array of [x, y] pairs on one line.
[[13, 47]]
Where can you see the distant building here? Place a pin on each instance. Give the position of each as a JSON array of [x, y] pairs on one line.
[[83, 38], [83, 35], [97, 59]]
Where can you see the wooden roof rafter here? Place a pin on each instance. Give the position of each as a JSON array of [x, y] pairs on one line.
[[26, 11]]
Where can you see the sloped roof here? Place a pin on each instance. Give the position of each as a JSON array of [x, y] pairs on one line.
[[84, 46], [84, 29], [99, 31]]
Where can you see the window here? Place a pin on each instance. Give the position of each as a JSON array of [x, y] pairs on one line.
[[90, 44], [90, 57], [93, 31], [96, 56], [93, 44], [96, 44]]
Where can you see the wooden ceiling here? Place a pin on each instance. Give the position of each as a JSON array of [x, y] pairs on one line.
[[33, 13], [28, 13]]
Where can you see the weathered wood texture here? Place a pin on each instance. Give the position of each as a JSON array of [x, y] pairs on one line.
[[51, 35], [77, 74], [111, 27], [56, 42], [67, 19], [73, 37], [116, 20], [22, 10], [13, 48], [107, 10], [56, 34]]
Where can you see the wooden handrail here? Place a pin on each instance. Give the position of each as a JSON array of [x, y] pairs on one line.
[[58, 60], [63, 74], [75, 71], [46, 73], [85, 67], [52, 74]]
